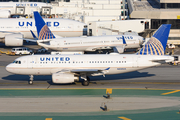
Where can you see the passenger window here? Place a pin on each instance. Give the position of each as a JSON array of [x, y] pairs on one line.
[[19, 62]]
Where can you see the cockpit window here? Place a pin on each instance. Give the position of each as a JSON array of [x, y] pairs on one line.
[[17, 62]]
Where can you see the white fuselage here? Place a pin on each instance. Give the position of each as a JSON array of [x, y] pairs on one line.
[[60, 27], [92, 43], [49, 64]]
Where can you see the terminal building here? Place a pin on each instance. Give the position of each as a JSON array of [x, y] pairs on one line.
[[159, 12], [80, 10]]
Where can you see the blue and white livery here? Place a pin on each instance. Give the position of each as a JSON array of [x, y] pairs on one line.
[[157, 44], [68, 68], [13, 31], [81, 44]]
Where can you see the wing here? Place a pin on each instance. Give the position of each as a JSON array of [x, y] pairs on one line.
[[9, 32], [86, 71]]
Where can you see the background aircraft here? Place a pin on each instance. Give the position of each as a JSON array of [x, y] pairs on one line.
[[13, 30], [68, 68], [48, 40]]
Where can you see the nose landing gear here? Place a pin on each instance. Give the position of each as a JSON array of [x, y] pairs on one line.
[[31, 80]]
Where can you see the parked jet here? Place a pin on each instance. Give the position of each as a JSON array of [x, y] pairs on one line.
[[68, 68], [12, 31], [80, 44]]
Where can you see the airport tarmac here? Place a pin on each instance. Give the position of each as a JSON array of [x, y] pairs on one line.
[[68, 104], [147, 94]]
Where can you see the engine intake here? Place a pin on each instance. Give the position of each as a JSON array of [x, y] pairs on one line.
[[64, 78], [14, 39]]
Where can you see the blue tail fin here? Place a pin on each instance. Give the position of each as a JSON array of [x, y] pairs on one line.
[[157, 44], [42, 29]]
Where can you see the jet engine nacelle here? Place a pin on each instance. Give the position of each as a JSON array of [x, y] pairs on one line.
[[5, 13], [14, 39], [64, 78]]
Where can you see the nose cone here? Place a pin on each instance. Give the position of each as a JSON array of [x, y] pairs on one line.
[[9, 69]]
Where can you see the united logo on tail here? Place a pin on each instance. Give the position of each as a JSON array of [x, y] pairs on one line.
[[157, 44], [42, 29], [152, 47], [45, 33]]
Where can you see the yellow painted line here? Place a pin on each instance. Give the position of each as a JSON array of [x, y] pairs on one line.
[[144, 82], [109, 90], [124, 118], [48, 119], [79, 88], [170, 92]]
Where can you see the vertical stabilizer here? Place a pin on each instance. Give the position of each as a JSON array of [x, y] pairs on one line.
[[42, 29], [157, 44]]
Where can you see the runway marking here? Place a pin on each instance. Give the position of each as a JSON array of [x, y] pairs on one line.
[[48, 119], [124, 118], [109, 90], [79, 88], [170, 92]]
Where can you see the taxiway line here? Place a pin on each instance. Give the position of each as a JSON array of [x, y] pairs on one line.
[[170, 92], [124, 118]]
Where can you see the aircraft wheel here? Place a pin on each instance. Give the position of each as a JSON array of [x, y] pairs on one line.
[[30, 82], [85, 83]]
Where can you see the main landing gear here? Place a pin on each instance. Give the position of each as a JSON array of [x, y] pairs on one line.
[[86, 81], [31, 80]]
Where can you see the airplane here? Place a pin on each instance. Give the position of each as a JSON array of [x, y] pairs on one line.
[[48, 40], [69, 68], [14, 31]]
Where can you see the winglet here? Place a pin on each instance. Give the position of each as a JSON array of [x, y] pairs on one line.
[[43, 31], [157, 44], [34, 36], [107, 68]]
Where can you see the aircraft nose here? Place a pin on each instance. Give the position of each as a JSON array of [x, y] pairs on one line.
[[8, 68]]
